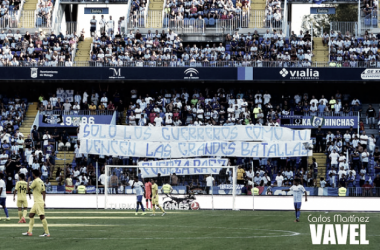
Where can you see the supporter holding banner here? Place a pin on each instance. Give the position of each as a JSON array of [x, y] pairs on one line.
[[192, 133], [186, 162], [193, 149]]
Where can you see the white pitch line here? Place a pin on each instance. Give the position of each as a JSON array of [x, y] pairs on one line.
[[116, 212], [95, 217], [56, 225]]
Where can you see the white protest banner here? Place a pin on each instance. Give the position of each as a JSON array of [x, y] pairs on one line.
[[166, 171], [192, 149], [186, 162], [192, 133]]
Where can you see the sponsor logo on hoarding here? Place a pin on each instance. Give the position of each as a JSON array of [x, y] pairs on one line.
[[191, 72], [371, 74], [33, 72], [307, 74], [116, 73]]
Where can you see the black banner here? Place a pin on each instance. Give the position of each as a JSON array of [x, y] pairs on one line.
[[184, 73], [119, 73]]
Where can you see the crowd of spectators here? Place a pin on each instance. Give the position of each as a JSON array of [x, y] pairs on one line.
[[44, 13], [273, 14], [205, 13], [369, 9], [350, 51], [9, 9], [138, 13], [38, 49], [167, 49], [179, 107], [12, 141], [353, 159]]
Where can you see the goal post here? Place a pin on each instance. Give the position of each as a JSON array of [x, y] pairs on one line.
[[194, 187]]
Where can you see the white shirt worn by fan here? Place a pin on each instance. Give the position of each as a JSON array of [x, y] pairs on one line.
[[209, 181]]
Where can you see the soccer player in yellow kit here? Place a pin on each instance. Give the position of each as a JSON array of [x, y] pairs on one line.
[[39, 195], [155, 199], [21, 188]]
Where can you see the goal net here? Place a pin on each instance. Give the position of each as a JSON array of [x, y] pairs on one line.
[[193, 187]]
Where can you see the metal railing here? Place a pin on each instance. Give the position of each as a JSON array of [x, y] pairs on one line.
[[363, 192], [9, 20], [257, 18], [343, 27], [368, 22], [137, 20], [185, 26], [230, 25], [324, 114], [75, 112], [27, 19], [265, 64], [155, 19]]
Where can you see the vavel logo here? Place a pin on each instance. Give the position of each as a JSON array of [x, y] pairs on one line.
[[116, 73], [342, 233], [307, 74], [192, 72]]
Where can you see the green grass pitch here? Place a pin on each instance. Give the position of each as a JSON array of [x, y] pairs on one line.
[[204, 229]]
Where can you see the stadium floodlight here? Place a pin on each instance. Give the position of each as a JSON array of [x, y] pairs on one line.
[[221, 188]]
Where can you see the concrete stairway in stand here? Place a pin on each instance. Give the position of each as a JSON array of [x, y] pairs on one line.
[[83, 50], [154, 19], [27, 15], [321, 160], [28, 121], [256, 20], [321, 53], [63, 158]]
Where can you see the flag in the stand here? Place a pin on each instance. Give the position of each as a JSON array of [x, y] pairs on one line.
[[52, 119], [69, 189]]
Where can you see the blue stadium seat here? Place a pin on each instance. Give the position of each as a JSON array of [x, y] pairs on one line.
[[166, 22], [186, 21], [141, 21], [39, 22], [211, 22], [206, 21]]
